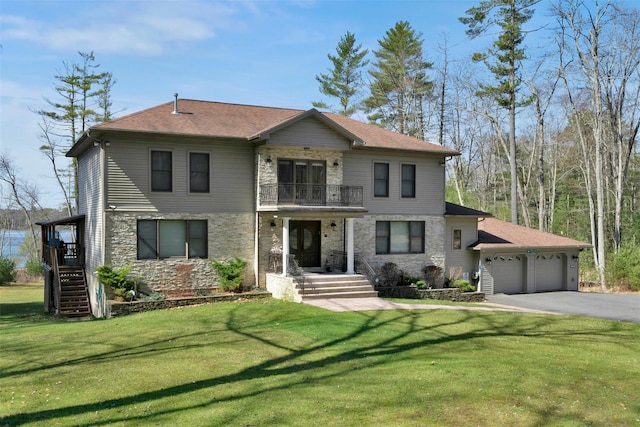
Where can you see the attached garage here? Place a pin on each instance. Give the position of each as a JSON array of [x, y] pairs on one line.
[[515, 259], [508, 274], [549, 272]]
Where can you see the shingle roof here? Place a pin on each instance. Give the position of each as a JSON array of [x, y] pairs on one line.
[[496, 234], [216, 119], [451, 209]]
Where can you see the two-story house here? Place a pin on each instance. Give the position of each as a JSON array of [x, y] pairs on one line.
[[169, 188]]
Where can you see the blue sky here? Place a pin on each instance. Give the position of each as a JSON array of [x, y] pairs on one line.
[[255, 52]]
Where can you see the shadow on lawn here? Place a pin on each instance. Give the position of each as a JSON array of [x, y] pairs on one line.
[[409, 335]]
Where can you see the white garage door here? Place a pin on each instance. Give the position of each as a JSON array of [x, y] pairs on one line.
[[508, 274], [549, 272]]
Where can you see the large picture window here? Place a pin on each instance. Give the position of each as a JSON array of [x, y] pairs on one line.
[[399, 237], [199, 172], [381, 179], [161, 171], [408, 181], [159, 239]]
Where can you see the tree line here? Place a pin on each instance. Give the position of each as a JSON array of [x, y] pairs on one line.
[[547, 135]]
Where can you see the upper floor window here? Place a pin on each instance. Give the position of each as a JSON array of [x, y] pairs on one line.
[[408, 181], [199, 172], [399, 237], [172, 238], [381, 179], [161, 171], [457, 238]]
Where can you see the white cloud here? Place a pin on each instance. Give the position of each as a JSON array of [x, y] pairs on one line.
[[146, 28]]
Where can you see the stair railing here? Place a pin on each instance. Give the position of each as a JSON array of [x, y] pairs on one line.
[[364, 268], [295, 271]]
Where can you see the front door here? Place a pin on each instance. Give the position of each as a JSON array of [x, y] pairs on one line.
[[304, 242]]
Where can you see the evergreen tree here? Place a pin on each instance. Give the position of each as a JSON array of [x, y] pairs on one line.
[[503, 60], [400, 83], [80, 89], [344, 81]]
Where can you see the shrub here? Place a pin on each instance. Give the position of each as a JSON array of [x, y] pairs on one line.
[[463, 285], [7, 270], [118, 279], [433, 276], [34, 267], [421, 284], [623, 268], [390, 274], [229, 273]]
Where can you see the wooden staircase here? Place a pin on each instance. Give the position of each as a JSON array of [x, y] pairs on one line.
[[74, 294], [323, 286]]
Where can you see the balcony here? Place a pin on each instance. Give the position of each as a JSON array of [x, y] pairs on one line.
[[310, 195]]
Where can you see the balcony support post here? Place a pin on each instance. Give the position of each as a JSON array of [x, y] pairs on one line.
[[285, 246], [350, 251]]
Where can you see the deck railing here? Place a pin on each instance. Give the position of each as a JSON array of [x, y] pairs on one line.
[[310, 195]]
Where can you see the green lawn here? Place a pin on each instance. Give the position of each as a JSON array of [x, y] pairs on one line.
[[272, 363]]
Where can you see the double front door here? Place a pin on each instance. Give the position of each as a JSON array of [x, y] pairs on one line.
[[304, 242]]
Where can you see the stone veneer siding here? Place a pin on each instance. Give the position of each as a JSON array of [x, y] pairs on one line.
[[268, 172], [229, 235], [412, 264]]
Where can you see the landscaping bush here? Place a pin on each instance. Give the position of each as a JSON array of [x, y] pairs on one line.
[[421, 284], [463, 285], [433, 276], [623, 268], [230, 273], [7, 270], [118, 279], [34, 267], [390, 274]]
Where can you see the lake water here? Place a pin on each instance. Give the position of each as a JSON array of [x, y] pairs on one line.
[[11, 240]]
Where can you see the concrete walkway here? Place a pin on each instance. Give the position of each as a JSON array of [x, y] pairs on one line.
[[376, 303]]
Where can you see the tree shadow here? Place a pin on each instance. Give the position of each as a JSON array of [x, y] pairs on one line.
[[409, 334]]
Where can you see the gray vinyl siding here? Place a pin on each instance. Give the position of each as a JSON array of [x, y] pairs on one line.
[[309, 132], [91, 204], [429, 200], [232, 172], [463, 258]]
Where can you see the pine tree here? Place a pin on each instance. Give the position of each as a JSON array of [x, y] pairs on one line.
[[80, 89], [400, 83], [503, 60], [344, 81]]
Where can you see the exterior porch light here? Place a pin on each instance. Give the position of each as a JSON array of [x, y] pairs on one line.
[[273, 225], [268, 160], [333, 225], [336, 163]]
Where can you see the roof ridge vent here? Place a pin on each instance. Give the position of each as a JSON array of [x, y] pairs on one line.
[[175, 104]]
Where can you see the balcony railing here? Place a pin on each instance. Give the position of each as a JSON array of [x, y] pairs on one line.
[[310, 195]]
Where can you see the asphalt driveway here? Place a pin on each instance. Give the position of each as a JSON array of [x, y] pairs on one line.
[[625, 307]]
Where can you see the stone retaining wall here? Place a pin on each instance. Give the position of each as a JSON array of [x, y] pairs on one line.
[[447, 294], [117, 309]]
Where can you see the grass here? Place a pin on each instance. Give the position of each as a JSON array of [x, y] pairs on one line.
[[272, 363]]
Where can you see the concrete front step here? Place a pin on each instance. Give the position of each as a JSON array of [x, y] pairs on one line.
[[363, 294], [335, 286], [309, 290]]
